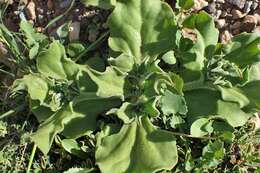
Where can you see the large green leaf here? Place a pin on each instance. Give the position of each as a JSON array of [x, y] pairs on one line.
[[206, 103], [138, 147], [141, 27], [53, 62], [36, 86], [244, 49], [74, 120], [206, 39]]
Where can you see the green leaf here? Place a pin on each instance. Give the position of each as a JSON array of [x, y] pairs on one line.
[[251, 90], [172, 103], [201, 127], [186, 4], [71, 146], [129, 150], [244, 49], [75, 49], [36, 86], [169, 58], [206, 39], [109, 83], [53, 63], [105, 4], [123, 62], [34, 40], [207, 103], [234, 95], [149, 31], [212, 155]]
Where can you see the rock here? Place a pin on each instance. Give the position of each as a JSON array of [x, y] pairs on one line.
[[223, 14], [74, 31], [257, 16], [199, 4], [220, 1], [211, 8], [225, 36], [236, 25], [221, 23], [236, 14], [93, 33], [247, 7], [249, 23], [239, 3], [65, 4], [255, 5], [50, 5], [30, 10]]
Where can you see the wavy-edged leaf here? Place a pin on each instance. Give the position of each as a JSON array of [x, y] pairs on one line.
[[36, 86], [201, 127], [54, 63], [206, 39], [149, 31], [251, 90], [244, 49], [129, 150], [207, 103]]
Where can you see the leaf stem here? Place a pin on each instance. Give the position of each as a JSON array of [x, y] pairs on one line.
[[190, 136], [31, 158], [93, 45]]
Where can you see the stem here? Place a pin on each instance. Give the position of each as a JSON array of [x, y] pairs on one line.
[[31, 158], [93, 45], [60, 16], [190, 136], [11, 112]]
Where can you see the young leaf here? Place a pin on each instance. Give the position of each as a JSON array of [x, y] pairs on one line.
[[149, 31], [172, 103], [201, 127], [129, 150]]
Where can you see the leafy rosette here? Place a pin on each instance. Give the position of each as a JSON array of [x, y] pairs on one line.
[[155, 75]]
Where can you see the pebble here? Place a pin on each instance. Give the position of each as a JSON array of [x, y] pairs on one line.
[[74, 31], [64, 4], [236, 25], [239, 3], [236, 14], [199, 4], [257, 16], [225, 36], [93, 33], [249, 23], [247, 7], [221, 23], [220, 1], [50, 5], [211, 8], [30, 10]]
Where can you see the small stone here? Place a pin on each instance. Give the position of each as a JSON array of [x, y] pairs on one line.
[[239, 3], [236, 25], [236, 14], [225, 36], [217, 14], [93, 33], [220, 1], [50, 5], [236, 31], [255, 5], [64, 4], [74, 31], [199, 4], [211, 8], [223, 14], [30, 10], [249, 23], [247, 7], [221, 23], [257, 16]]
